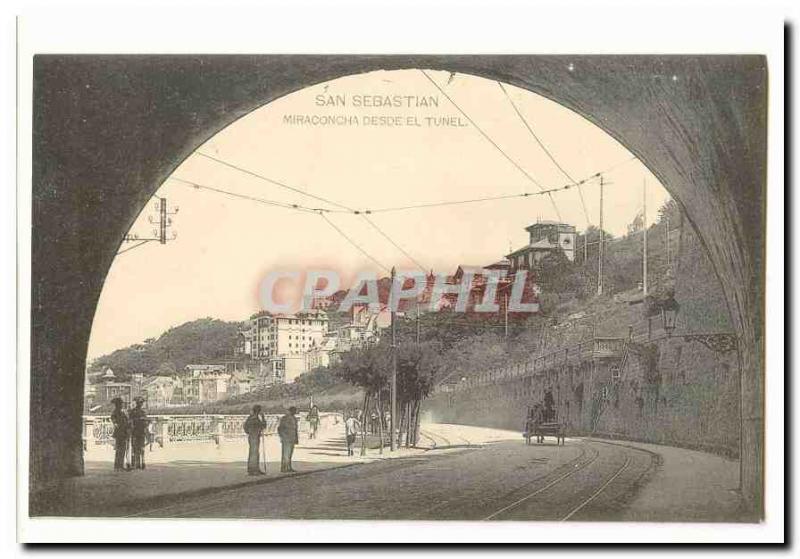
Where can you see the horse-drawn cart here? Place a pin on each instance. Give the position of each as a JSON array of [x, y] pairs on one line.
[[541, 430], [540, 424]]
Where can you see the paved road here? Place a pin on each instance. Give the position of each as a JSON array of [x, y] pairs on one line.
[[505, 480]]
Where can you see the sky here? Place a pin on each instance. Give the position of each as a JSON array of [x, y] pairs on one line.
[[423, 151]]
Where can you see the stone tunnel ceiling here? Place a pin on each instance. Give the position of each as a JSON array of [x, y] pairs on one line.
[[107, 130]]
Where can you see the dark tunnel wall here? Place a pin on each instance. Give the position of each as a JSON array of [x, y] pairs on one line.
[[107, 130]]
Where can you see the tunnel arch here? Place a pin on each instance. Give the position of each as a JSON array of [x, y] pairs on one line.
[[698, 123]]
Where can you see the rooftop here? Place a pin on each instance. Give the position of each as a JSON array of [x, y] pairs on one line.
[[542, 244], [205, 367], [548, 223]]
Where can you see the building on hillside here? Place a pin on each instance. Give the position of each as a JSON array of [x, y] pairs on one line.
[[110, 390], [480, 279], [108, 376], [268, 372], [240, 363], [423, 302], [480, 276], [102, 387], [137, 385], [244, 341], [502, 265], [544, 238], [160, 391], [241, 382], [325, 354], [204, 383], [205, 368], [364, 327], [279, 342]]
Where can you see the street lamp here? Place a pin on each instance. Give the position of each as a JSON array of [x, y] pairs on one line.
[[669, 312]]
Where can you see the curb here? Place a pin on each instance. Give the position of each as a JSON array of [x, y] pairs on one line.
[[216, 489]]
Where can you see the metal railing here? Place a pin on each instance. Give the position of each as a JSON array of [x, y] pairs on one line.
[[174, 429], [583, 351]]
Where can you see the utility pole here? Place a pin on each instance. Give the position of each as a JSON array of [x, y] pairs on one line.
[[666, 240], [159, 232], [161, 223], [163, 220], [393, 385], [417, 322], [644, 237], [505, 305], [586, 246], [602, 242]]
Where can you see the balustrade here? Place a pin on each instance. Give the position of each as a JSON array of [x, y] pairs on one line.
[[594, 348], [98, 430]]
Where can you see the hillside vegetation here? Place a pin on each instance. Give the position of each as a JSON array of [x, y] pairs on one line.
[[200, 341], [457, 344]]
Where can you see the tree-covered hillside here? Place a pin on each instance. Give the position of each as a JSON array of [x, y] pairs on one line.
[[200, 341]]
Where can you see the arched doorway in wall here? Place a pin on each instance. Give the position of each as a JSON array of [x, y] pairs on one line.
[[414, 169], [554, 72]]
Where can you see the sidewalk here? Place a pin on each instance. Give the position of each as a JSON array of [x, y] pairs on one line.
[[192, 468], [691, 485]]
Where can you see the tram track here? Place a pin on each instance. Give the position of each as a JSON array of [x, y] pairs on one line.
[[599, 491], [565, 467], [574, 467], [574, 508], [594, 479], [447, 442], [433, 438]]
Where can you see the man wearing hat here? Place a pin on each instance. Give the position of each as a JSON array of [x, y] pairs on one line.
[[254, 426], [139, 423], [121, 431], [287, 431]]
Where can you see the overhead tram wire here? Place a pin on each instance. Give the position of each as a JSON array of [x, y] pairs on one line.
[[265, 201], [275, 182], [321, 211], [352, 242], [424, 205], [317, 211], [345, 209], [474, 200], [489, 139], [449, 203], [397, 246], [133, 247], [547, 152]]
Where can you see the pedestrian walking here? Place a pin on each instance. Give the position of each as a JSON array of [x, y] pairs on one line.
[[139, 422], [287, 431], [119, 420], [151, 433], [313, 421], [373, 423], [351, 427], [530, 426], [254, 426]]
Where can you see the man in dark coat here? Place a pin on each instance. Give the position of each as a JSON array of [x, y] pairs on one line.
[[121, 433], [139, 421], [287, 431], [254, 426]]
